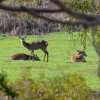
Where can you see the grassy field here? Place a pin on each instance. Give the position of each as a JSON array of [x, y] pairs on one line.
[[60, 49]]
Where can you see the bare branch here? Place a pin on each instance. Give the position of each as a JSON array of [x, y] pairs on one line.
[[4, 7]]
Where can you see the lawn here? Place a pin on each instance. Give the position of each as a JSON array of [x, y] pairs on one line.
[[60, 49]]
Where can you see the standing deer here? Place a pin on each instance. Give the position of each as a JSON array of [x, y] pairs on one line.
[[35, 45], [22, 56], [79, 57]]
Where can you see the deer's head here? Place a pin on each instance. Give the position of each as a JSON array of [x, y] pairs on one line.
[[22, 39], [82, 52]]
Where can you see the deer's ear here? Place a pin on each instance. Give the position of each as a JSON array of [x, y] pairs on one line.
[[78, 50]]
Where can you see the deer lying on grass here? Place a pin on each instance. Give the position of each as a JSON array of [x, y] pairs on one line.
[[22, 56], [79, 57], [35, 45]]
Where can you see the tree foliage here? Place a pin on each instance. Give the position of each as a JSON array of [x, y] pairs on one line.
[[70, 87]]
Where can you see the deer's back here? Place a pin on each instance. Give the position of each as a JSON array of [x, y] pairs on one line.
[[22, 56], [74, 57], [38, 44], [19, 56], [77, 58]]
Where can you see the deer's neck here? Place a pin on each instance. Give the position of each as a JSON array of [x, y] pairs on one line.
[[25, 44]]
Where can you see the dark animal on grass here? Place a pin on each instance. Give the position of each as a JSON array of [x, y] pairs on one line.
[[79, 57], [35, 45], [22, 56]]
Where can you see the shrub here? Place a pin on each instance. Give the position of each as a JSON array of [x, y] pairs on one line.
[[65, 87]]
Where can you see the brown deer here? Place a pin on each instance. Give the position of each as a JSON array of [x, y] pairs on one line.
[[22, 56], [79, 57], [35, 45]]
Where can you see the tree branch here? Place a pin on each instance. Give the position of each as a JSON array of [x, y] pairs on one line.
[[20, 8]]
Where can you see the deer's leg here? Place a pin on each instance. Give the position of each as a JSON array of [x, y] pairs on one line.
[[83, 59], [30, 55], [46, 53], [33, 55], [44, 57]]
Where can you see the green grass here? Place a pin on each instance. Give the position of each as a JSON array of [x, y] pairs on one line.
[[60, 49]]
